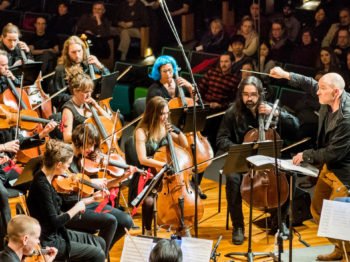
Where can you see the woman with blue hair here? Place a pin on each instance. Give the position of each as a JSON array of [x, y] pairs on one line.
[[165, 86]]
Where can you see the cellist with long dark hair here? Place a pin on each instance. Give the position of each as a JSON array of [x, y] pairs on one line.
[[237, 121]]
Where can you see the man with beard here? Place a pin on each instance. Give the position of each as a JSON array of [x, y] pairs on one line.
[[73, 59], [237, 121]]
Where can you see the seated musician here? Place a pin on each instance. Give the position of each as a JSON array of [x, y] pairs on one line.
[[166, 250], [150, 134], [23, 238], [110, 224], [11, 44], [237, 121], [165, 86], [45, 205], [76, 110], [8, 148], [73, 58], [5, 72]]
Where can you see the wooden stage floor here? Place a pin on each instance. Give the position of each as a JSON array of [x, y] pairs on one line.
[[213, 224]]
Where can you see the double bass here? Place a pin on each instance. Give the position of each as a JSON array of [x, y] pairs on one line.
[[264, 181], [176, 201]]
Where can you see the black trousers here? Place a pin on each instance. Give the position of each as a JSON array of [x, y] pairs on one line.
[[110, 225], [83, 247]]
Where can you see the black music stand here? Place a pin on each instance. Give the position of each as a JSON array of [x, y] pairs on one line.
[[236, 163], [31, 71], [108, 83]]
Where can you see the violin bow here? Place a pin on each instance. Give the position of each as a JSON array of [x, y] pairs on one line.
[[19, 108], [47, 100], [85, 137]]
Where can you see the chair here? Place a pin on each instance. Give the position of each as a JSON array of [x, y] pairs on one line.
[[78, 8], [29, 19], [187, 27], [305, 70], [177, 55], [198, 57], [121, 99], [108, 62], [228, 15], [17, 198], [140, 92], [288, 97], [273, 92]]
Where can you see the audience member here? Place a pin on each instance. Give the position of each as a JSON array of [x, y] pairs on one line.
[[341, 45], [236, 47], [344, 21], [131, 16], [11, 44], [5, 4], [62, 22], [251, 37], [247, 66], [261, 23], [265, 63], [328, 62], [306, 51], [292, 25], [281, 46], [320, 25], [97, 28], [166, 251], [214, 40], [44, 46]]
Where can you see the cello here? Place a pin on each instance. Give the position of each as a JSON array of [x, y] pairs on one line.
[[264, 181], [176, 201]]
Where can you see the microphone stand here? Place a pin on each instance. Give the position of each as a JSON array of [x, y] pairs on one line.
[[194, 95]]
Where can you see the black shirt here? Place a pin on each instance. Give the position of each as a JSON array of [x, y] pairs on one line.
[[15, 54], [45, 41], [8, 255]]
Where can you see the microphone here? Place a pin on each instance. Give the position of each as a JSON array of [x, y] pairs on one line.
[[269, 119]]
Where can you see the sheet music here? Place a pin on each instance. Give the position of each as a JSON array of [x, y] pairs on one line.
[[130, 253], [195, 249], [260, 160], [335, 222]]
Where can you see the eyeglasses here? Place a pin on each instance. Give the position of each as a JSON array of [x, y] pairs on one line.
[[250, 94], [167, 71]]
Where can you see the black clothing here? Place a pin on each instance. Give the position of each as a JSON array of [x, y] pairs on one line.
[[77, 118], [15, 54], [4, 84], [8, 255], [333, 137], [158, 89], [61, 24], [136, 13], [45, 41], [45, 205], [214, 43], [281, 50], [237, 65], [60, 82]]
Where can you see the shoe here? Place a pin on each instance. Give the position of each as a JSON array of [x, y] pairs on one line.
[[285, 230], [335, 255], [238, 236], [148, 233]]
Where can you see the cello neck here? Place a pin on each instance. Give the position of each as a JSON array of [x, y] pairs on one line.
[[181, 91], [173, 153], [98, 122], [24, 56], [83, 37], [16, 94], [261, 128]]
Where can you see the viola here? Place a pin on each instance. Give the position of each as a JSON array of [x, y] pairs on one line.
[[38, 255], [264, 181], [176, 201], [68, 182], [204, 150]]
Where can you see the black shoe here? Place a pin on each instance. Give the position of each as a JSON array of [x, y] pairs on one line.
[[238, 236]]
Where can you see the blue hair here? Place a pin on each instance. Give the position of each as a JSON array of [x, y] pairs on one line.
[[162, 60]]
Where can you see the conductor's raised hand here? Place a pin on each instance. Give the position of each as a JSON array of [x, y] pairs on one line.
[[279, 73]]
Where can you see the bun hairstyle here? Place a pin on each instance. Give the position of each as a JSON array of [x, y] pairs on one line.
[[56, 151], [78, 80]]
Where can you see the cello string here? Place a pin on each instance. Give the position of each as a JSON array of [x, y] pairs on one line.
[[19, 108]]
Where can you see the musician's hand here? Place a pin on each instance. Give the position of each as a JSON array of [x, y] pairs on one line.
[[183, 82], [12, 146], [23, 46], [91, 101], [51, 256], [214, 105], [132, 169], [101, 182], [48, 128], [80, 206], [9, 74], [170, 171], [168, 127], [94, 61], [266, 109], [298, 158], [101, 194], [278, 72]]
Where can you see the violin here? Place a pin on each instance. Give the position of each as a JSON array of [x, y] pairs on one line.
[[38, 255], [204, 151], [265, 181], [68, 182], [176, 194]]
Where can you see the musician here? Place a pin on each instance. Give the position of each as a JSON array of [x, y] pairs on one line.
[[150, 134], [45, 205], [23, 238], [8, 148], [5, 73], [166, 250], [75, 110], [332, 149], [165, 86], [237, 121], [73, 58], [11, 44]]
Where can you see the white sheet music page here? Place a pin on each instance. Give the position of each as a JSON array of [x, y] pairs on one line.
[[335, 222], [131, 254], [195, 249]]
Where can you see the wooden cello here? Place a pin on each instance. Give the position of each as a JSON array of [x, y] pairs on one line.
[[176, 201], [204, 150], [264, 181]]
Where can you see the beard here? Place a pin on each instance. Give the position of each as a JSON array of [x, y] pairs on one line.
[[250, 104]]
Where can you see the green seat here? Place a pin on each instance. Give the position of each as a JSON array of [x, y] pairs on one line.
[[197, 77], [273, 92], [140, 92], [121, 99]]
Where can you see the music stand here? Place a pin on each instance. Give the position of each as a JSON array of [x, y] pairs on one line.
[[31, 71], [236, 163], [108, 83]]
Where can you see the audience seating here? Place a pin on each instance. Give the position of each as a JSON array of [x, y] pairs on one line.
[[197, 77], [288, 97], [26, 35], [228, 15], [308, 71], [10, 16], [177, 54], [187, 27], [272, 93], [121, 99], [78, 8], [29, 19]]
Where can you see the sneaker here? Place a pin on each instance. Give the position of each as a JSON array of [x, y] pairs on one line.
[[238, 236]]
